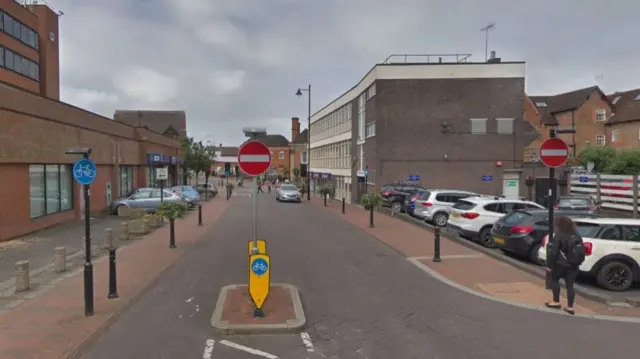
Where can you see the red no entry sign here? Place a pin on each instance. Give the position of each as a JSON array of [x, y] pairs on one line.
[[554, 152], [254, 158]]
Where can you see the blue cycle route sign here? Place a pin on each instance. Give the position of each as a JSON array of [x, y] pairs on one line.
[[259, 266], [414, 177], [583, 179], [487, 178], [85, 171]]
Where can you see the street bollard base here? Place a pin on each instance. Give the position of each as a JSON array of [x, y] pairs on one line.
[[258, 313], [437, 259]]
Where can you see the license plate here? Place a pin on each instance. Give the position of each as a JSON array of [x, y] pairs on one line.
[[498, 240]]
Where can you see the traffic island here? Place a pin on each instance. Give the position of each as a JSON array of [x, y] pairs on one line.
[[234, 312]]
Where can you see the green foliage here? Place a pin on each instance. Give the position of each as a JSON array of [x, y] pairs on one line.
[[296, 172], [171, 210], [601, 156], [197, 157], [371, 200], [327, 191], [625, 163]]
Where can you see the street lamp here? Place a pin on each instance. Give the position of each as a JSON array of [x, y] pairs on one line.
[[299, 93]]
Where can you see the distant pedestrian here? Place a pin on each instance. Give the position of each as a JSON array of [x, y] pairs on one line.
[[269, 187], [260, 187], [565, 255]]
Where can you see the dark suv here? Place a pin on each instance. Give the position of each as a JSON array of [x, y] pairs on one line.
[[393, 195]]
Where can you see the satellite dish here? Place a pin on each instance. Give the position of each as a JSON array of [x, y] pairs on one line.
[[590, 166]]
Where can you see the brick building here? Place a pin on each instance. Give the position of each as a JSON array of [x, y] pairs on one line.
[[623, 127], [451, 122], [298, 147], [29, 51]]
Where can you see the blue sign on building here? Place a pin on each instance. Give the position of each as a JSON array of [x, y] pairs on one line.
[[414, 177], [85, 171], [487, 178], [583, 179]]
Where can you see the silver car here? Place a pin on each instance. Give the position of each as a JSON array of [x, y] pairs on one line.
[[147, 198], [433, 205], [288, 193]]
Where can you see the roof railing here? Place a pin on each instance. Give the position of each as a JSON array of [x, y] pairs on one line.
[[426, 58]]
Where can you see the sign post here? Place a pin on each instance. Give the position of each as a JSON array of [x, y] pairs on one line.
[[554, 153], [162, 174], [85, 172]]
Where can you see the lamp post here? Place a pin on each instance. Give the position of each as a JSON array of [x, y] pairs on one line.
[[299, 93]]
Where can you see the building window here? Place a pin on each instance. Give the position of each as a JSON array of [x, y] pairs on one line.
[[18, 30], [615, 136], [18, 64], [126, 180], [303, 157], [478, 126], [281, 155], [50, 189], [541, 104], [371, 91], [370, 130], [505, 126], [601, 140], [601, 115], [362, 103], [152, 180]]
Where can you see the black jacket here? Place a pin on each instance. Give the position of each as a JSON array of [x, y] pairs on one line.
[[557, 250]]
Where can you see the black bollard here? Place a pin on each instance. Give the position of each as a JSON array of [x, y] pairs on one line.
[[436, 245], [172, 233], [113, 284], [199, 215], [343, 205], [371, 217], [325, 200]]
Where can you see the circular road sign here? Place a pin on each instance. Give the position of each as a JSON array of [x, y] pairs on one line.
[[85, 171], [259, 266], [554, 152], [254, 158]]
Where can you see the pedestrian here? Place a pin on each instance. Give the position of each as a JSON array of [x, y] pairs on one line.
[[565, 254], [302, 190], [260, 187], [269, 187]]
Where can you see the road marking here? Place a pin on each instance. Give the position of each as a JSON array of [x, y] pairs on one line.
[[208, 349], [189, 300], [247, 349], [306, 340]]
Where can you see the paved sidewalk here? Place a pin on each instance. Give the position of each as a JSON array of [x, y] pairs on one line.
[[53, 325], [463, 265]]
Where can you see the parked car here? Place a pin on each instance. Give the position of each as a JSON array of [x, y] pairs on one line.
[[190, 195], [148, 199], [578, 203], [433, 205], [410, 201], [288, 193], [521, 231], [612, 251], [393, 195], [208, 187], [474, 217]]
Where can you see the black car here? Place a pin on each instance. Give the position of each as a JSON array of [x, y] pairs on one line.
[[393, 195], [578, 204], [521, 232]]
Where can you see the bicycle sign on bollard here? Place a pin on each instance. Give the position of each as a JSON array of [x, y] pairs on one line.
[[85, 172], [259, 281]]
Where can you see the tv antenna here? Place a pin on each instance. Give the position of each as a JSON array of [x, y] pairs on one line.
[[486, 39]]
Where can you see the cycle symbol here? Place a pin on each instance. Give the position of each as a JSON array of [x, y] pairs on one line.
[[85, 171], [259, 266]]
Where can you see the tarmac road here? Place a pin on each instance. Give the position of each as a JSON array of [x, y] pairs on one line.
[[361, 298]]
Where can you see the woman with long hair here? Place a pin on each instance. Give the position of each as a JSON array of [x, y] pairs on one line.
[[560, 263]]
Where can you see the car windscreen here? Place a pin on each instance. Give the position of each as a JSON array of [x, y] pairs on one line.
[[516, 217], [288, 187], [464, 205], [574, 202]]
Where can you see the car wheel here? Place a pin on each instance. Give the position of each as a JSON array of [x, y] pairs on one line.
[[615, 276], [485, 238], [396, 206], [533, 255], [116, 209], [440, 219]]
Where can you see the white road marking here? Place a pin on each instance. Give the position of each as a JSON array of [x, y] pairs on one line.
[[248, 350], [306, 340], [208, 348], [189, 300]]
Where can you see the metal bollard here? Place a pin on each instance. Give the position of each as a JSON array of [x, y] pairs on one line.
[[124, 231], [436, 245], [107, 239], [22, 276], [172, 233], [343, 205], [371, 217], [60, 259], [113, 285], [325, 199], [199, 215]]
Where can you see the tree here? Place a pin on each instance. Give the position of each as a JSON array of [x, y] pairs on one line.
[[625, 163], [201, 160], [601, 156], [187, 151], [296, 173]]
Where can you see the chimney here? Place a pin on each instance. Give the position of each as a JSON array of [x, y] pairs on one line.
[[493, 59], [295, 128], [493, 55]]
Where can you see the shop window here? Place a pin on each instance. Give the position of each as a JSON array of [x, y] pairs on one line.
[[50, 189], [126, 180]]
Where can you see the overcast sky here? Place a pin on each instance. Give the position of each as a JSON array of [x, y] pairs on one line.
[[236, 63]]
